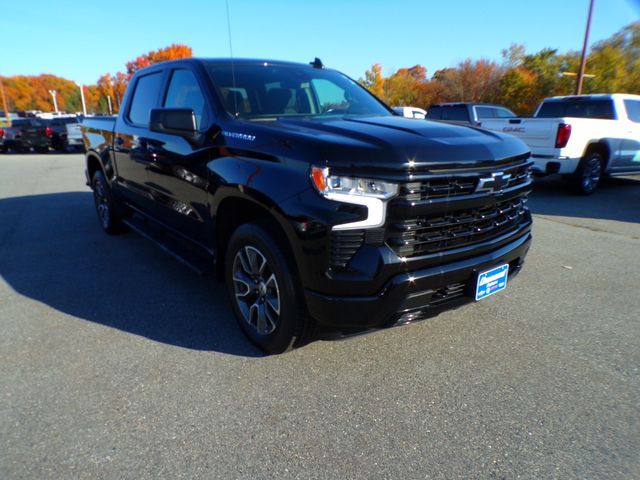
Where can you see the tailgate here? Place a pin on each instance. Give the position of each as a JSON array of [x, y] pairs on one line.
[[535, 132], [31, 133], [74, 130]]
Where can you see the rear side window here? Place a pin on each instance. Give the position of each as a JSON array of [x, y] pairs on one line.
[[602, 109], [504, 113], [633, 110], [484, 112], [551, 110], [456, 113], [434, 112], [184, 92], [145, 98]]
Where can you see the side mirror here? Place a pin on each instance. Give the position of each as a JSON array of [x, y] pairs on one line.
[[175, 121]]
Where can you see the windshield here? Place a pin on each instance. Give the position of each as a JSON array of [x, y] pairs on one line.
[[262, 91]]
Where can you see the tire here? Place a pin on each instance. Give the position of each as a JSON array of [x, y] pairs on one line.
[[264, 289], [588, 175], [107, 207]]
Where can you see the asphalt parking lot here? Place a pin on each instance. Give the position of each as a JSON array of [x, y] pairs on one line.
[[118, 362]]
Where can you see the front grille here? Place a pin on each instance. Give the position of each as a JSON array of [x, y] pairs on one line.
[[425, 235], [459, 184], [437, 298], [445, 294]]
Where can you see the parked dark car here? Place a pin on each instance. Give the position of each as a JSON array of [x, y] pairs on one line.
[[27, 133], [65, 133], [318, 206], [467, 113]]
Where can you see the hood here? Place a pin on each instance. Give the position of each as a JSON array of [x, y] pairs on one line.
[[391, 142]]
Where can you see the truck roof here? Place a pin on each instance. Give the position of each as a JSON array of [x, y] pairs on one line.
[[226, 61], [591, 96], [476, 104]]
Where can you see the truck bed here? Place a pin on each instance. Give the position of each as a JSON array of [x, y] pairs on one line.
[[98, 132]]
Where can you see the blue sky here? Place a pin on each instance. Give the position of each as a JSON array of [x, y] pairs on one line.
[[82, 40]]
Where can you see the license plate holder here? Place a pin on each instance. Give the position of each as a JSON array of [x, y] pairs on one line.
[[491, 281]]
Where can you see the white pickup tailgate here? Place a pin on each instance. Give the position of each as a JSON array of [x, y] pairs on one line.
[[535, 132]]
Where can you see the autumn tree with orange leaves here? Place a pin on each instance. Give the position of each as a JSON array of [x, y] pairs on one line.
[[521, 81], [32, 92], [172, 52]]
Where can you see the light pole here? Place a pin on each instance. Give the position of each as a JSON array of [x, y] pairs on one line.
[[84, 105], [4, 101], [109, 103], [54, 94], [583, 60]]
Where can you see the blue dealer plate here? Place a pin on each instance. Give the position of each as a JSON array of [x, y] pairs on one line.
[[492, 281]]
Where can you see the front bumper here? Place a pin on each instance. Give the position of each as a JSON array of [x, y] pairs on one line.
[[416, 293]]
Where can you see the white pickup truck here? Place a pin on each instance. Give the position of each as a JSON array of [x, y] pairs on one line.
[[582, 137]]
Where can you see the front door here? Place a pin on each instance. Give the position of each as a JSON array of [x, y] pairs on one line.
[[177, 171]]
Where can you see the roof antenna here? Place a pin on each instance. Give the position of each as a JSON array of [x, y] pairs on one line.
[[233, 73], [317, 63]]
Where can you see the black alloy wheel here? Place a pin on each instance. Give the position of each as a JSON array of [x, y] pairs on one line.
[[588, 176], [263, 286], [106, 208]]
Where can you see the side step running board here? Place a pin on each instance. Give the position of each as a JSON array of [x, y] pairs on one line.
[[193, 257]]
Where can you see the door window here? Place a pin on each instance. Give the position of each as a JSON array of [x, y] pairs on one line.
[[633, 110], [503, 113], [484, 112], [184, 92], [145, 97]]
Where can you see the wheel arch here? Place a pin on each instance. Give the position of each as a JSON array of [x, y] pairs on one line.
[[94, 163], [601, 147], [238, 209]]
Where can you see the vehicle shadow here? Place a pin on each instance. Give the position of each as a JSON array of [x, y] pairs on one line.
[[50, 152], [616, 199], [52, 250]]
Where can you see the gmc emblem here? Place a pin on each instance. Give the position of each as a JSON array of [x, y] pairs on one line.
[[495, 183]]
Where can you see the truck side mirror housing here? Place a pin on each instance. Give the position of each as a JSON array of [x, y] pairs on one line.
[[175, 121]]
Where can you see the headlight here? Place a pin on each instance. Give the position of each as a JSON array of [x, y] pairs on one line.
[[326, 184], [373, 194]]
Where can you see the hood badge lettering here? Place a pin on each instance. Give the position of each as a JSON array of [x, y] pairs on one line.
[[239, 136]]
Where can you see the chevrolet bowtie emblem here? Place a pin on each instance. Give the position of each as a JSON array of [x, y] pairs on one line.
[[495, 183]]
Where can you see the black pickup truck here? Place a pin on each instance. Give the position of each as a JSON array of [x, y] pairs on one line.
[[26, 133], [319, 208]]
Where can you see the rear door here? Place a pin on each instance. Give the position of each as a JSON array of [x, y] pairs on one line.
[[131, 138]]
